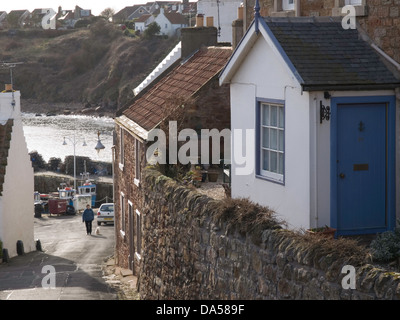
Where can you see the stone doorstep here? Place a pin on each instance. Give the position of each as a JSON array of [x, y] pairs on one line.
[[125, 272]]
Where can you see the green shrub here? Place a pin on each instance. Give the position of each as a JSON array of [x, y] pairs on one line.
[[386, 246]]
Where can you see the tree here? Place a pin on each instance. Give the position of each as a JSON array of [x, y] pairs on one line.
[[152, 29], [108, 13]]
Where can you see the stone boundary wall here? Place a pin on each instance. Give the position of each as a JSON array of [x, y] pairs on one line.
[[188, 254]]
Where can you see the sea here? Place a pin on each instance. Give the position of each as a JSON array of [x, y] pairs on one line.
[[46, 135]]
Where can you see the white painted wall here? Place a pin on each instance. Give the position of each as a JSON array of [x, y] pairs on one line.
[[141, 26], [16, 203], [227, 14], [256, 78], [167, 28]]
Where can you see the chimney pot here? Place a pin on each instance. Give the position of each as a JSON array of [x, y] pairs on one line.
[[9, 87], [240, 13], [200, 20], [210, 21]]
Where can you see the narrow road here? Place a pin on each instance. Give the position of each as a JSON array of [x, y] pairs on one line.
[[70, 257]]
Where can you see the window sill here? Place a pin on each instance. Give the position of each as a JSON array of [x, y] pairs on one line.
[[269, 179]]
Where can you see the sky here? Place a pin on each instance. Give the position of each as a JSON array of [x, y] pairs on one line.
[[96, 6]]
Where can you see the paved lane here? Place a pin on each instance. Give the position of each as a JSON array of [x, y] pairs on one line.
[[74, 257]]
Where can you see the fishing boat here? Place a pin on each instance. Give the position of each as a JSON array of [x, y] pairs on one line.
[[88, 188]]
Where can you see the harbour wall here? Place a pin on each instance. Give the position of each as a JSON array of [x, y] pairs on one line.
[[46, 182]]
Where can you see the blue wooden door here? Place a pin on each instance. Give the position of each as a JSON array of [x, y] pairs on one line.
[[361, 168]]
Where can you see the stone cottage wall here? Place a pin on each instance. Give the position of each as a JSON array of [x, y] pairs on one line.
[[187, 254], [125, 175]]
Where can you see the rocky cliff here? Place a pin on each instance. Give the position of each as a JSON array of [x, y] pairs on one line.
[[78, 69]]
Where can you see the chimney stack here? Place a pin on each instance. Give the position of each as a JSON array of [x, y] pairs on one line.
[[237, 28], [194, 38]]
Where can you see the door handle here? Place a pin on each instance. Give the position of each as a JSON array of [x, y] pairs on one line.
[[342, 175]]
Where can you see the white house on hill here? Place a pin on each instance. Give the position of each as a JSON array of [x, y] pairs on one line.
[[16, 178], [170, 22]]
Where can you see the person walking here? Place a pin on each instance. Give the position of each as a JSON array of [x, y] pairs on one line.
[[88, 217]]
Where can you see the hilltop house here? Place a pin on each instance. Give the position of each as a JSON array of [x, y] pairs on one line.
[[38, 15], [188, 87], [319, 104], [142, 22], [68, 18], [16, 195], [170, 22], [17, 18]]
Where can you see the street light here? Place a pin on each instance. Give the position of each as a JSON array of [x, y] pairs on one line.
[[74, 142]]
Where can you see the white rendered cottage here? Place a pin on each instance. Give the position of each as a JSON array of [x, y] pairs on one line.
[[170, 22], [319, 106], [16, 178]]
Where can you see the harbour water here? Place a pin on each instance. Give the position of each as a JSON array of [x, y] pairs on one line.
[[45, 134]]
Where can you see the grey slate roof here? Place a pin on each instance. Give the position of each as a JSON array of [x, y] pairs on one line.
[[326, 56]]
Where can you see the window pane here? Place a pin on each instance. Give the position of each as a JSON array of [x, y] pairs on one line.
[[280, 163], [273, 139], [265, 160], [281, 118], [265, 137], [280, 140], [274, 162], [265, 114], [274, 116]]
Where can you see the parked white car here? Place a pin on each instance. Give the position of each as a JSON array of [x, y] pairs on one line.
[[105, 214]]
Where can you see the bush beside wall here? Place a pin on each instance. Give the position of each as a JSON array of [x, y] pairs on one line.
[[195, 247]]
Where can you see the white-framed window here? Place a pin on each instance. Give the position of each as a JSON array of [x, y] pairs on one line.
[[136, 180], [287, 5], [271, 133], [138, 234], [123, 222], [121, 149], [353, 2]]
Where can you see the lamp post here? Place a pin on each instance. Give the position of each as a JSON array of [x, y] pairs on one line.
[[74, 142], [99, 146]]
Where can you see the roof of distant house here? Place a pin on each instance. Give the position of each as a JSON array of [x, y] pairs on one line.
[[325, 54], [126, 12], [143, 18], [184, 80], [175, 18]]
